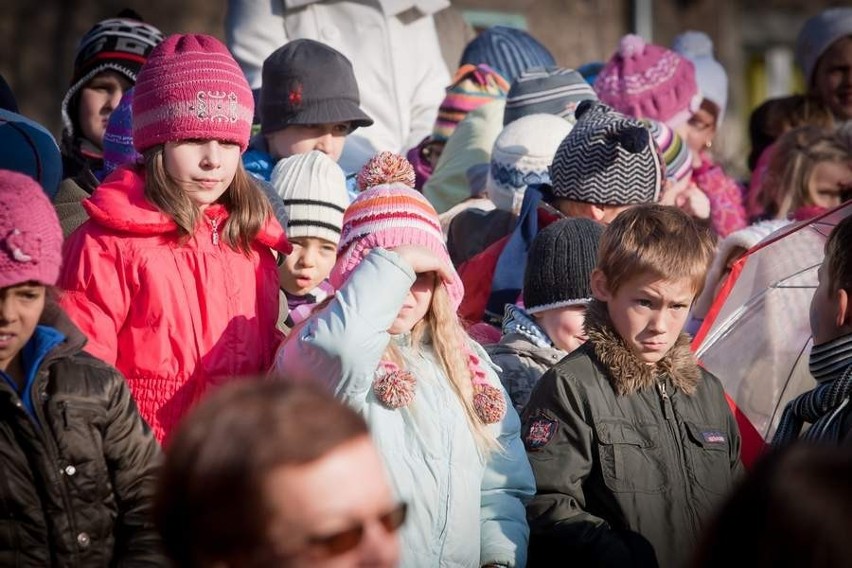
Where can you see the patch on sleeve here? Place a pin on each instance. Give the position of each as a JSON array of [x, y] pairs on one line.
[[539, 432], [713, 437]]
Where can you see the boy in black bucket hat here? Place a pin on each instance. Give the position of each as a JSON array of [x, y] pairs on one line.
[[309, 100]]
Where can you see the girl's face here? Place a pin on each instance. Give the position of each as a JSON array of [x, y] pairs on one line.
[[204, 169], [833, 78], [416, 304], [309, 264], [830, 184], [21, 307], [564, 326], [98, 98], [698, 131]]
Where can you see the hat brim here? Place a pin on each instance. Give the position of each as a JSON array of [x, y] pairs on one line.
[[326, 112]]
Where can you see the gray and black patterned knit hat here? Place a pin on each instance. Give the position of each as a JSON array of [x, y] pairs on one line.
[[608, 158], [560, 263]]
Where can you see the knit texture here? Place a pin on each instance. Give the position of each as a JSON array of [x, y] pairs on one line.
[[388, 216], [560, 264], [472, 87], [191, 88], [118, 138], [313, 188], [709, 74], [553, 90], [644, 80], [521, 156], [385, 167], [30, 235], [676, 155], [114, 44], [510, 51], [818, 34], [308, 82], [606, 159], [29, 148]]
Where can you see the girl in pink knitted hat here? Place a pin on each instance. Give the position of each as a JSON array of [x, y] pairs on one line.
[[173, 278], [390, 344]]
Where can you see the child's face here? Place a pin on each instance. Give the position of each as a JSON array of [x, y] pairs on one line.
[[833, 78], [98, 98], [302, 138], [825, 309], [203, 168], [309, 264], [21, 307], [564, 326], [416, 304], [830, 183], [698, 131], [647, 312]]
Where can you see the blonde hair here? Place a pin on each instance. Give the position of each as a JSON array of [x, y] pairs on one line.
[[247, 206], [447, 335], [786, 186], [658, 239]]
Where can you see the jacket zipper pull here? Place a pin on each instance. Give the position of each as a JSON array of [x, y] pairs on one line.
[[215, 223], [661, 386]]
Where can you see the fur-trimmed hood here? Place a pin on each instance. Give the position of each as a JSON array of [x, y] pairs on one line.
[[629, 375]]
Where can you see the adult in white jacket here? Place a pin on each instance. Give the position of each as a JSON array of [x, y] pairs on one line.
[[390, 345], [393, 46]]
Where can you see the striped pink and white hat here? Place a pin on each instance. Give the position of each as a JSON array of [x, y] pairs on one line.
[[388, 216], [191, 88]]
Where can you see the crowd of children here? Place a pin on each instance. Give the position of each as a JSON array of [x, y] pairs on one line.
[[500, 289]]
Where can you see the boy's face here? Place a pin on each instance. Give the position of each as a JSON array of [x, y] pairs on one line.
[[204, 169], [98, 98], [827, 309], [302, 138], [564, 326], [21, 307], [309, 264], [647, 312]]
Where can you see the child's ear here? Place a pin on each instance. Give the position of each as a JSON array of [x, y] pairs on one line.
[[596, 213], [844, 309], [600, 285]]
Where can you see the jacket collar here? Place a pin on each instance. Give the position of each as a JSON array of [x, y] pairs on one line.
[[628, 374]]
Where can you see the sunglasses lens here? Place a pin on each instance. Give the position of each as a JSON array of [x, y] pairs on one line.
[[340, 543], [393, 519]]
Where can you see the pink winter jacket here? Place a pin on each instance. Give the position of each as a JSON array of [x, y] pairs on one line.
[[174, 319], [727, 210]]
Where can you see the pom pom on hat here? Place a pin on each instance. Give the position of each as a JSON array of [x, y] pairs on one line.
[[385, 167], [644, 80], [191, 88], [30, 234]]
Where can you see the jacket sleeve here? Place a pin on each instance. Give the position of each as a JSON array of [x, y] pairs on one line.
[[96, 295], [343, 343], [133, 457], [561, 446], [507, 486], [253, 30]]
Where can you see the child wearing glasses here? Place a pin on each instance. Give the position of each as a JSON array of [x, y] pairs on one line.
[[389, 343]]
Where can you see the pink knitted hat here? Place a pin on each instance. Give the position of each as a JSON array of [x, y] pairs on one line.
[[387, 216], [191, 87], [30, 234], [649, 81]]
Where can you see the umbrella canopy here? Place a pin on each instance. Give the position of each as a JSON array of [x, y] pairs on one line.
[[756, 337]]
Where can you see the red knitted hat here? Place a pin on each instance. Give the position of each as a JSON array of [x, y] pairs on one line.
[[644, 80], [191, 88], [30, 234]]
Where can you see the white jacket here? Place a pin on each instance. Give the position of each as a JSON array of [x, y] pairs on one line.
[[399, 67], [463, 511]]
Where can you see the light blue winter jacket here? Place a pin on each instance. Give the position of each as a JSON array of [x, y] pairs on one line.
[[463, 511]]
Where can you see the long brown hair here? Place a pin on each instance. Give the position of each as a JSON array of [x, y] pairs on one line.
[[247, 206]]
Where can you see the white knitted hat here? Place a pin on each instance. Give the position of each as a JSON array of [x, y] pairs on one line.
[[522, 155], [313, 188], [818, 34]]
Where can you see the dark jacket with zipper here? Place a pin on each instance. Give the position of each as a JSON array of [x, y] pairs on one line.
[[77, 462], [630, 459]]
